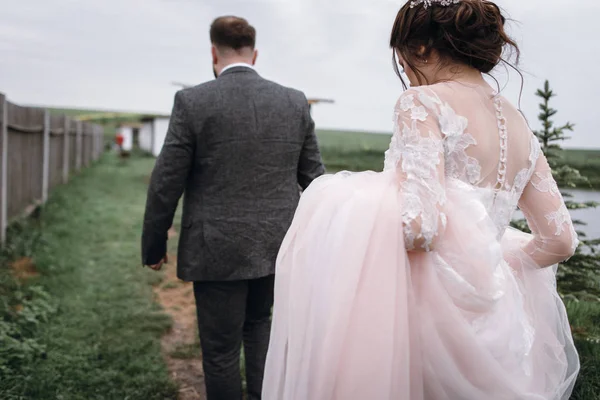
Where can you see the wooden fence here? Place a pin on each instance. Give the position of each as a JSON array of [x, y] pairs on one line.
[[39, 151]]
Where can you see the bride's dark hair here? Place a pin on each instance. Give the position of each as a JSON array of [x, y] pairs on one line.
[[470, 32]]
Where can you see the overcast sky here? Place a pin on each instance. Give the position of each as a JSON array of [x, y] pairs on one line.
[[124, 54]]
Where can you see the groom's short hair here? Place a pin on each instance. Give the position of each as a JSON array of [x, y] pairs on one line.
[[232, 32]]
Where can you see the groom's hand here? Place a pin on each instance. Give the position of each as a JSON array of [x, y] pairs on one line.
[[158, 266]]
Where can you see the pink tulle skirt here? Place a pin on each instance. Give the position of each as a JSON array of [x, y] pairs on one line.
[[356, 316]]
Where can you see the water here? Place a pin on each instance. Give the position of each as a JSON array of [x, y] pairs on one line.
[[591, 216]]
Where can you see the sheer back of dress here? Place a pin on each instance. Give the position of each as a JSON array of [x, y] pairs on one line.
[[500, 145], [468, 133], [496, 150]]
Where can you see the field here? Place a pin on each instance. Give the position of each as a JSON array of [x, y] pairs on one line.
[[353, 151], [357, 151], [587, 162]]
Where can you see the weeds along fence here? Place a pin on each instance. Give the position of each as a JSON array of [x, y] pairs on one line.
[[39, 151]]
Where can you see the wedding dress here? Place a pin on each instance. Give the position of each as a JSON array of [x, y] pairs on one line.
[[409, 284]]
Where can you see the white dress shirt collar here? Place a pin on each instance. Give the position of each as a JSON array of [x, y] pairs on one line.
[[240, 64]]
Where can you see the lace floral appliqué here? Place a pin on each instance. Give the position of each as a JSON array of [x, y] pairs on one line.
[[416, 152], [560, 218], [456, 141], [546, 183]]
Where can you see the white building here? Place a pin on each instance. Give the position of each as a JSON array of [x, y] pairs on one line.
[[152, 134], [126, 131]]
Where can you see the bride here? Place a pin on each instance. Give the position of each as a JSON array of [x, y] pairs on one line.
[[409, 284]]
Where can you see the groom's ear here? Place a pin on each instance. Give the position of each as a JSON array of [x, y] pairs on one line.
[[254, 57], [215, 55]]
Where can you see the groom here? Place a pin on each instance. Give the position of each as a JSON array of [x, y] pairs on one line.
[[237, 148]]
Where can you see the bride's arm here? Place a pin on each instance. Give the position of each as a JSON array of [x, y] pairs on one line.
[[417, 148], [548, 218]]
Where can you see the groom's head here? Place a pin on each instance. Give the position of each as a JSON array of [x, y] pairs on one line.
[[233, 40]]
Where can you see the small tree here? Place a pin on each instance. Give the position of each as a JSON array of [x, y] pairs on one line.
[[550, 136], [580, 275]]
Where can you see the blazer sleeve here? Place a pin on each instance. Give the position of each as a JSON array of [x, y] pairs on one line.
[[167, 183], [310, 165]]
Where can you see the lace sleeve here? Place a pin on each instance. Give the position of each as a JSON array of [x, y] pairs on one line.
[[417, 152], [548, 218]]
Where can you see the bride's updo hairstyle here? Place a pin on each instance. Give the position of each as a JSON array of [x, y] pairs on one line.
[[470, 32]]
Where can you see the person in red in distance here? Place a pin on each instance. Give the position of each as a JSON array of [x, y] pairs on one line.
[[119, 140]]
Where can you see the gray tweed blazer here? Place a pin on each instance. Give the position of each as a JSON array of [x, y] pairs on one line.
[[237, 148]]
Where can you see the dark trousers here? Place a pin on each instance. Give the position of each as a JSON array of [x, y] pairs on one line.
[[229, 314]]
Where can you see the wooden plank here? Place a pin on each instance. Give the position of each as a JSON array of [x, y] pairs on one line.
[[100, 139], [79, 146], [96, 134], [56, 125], [84, 140], [73, 146], [56, 159], [17, 179], [56, 152], [46, 155], [66, 154], [87, 142], [3, 167], [34, 152], [24, 160], [15, 168]]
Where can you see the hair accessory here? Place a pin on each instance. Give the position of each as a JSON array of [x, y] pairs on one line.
[[429, 3]]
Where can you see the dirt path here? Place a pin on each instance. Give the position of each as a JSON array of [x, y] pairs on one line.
[[181, 347]]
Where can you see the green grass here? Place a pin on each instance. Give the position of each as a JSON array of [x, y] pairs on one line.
[[100, 338], [359, 151], [587, 162], [585, 320], [343, 141], [352, 151]]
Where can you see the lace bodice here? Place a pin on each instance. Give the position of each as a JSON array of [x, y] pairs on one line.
[[457, 132]]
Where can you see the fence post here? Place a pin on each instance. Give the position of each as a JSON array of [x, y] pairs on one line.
[[79, 147], [3, 166], [66, 154], [46, 160]]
